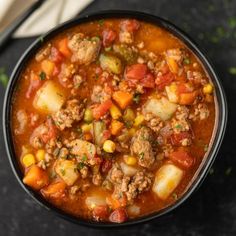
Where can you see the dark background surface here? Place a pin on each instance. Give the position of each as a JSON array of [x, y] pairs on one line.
[[212, 209]]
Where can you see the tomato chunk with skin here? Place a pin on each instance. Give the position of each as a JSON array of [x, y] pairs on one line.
[[108, 36], [100, 212], [106, 166], [138, 74], [101, 109], [129, 25], [177, 138], [35, 83], [118, 216], [182, 158], [164, 80]]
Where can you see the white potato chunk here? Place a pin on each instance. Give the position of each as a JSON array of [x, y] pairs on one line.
[[162, 108], [167, 179], [171, 92], [67, 170], [93, 201], [128, 170], [49, 98]]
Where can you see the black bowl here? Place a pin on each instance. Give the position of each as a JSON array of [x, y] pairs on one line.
[[219, 130]]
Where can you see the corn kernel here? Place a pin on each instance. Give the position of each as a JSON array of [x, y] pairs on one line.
[[138, 120], [115, 112], [109, 146], [86, 128], [208, 89], [130, 160], [28, 160], [88, 115], [40, 154], [132, 131]]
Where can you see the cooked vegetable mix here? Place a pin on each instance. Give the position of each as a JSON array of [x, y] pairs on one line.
[[109, 119]]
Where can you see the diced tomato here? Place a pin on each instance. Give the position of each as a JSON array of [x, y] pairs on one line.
[[56, 71], [101, 109], [182, 158], [35, 83], [56, 55], [52, 131], [148, 81], [136, 72], [101, 212], [177, 138], [106, 165], [98, 160], [187, 98], [106, 134], [164, 80], [118, 216], [108, 37], [129, 25], [184, 88]]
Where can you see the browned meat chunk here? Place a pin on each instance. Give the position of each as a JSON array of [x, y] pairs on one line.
[[116, 174], [65, 117], [99, 95], [141, 146], [133, 186], [84, 50]]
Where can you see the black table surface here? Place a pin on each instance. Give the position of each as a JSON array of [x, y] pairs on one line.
[[212, 209]]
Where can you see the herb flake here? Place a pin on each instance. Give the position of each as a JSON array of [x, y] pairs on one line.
[[187, 61], [42, 75], [136, 98]]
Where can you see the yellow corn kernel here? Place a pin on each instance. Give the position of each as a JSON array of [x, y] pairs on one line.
[[86, 128], [208, 89], [138, 120], [115, 112], [88, 115], [130, 160], [109, 146], [132, 131], [40, 154], [28, 160]]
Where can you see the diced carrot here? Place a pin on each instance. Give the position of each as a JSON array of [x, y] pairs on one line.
[[63, 47], [101, 109], [48, 67], [36, 177], [187, 98], [115, 203], [172, 65], [54, 190], [116, 127], [123, 99]]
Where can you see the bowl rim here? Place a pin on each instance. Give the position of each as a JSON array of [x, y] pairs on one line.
[[160, 22]]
